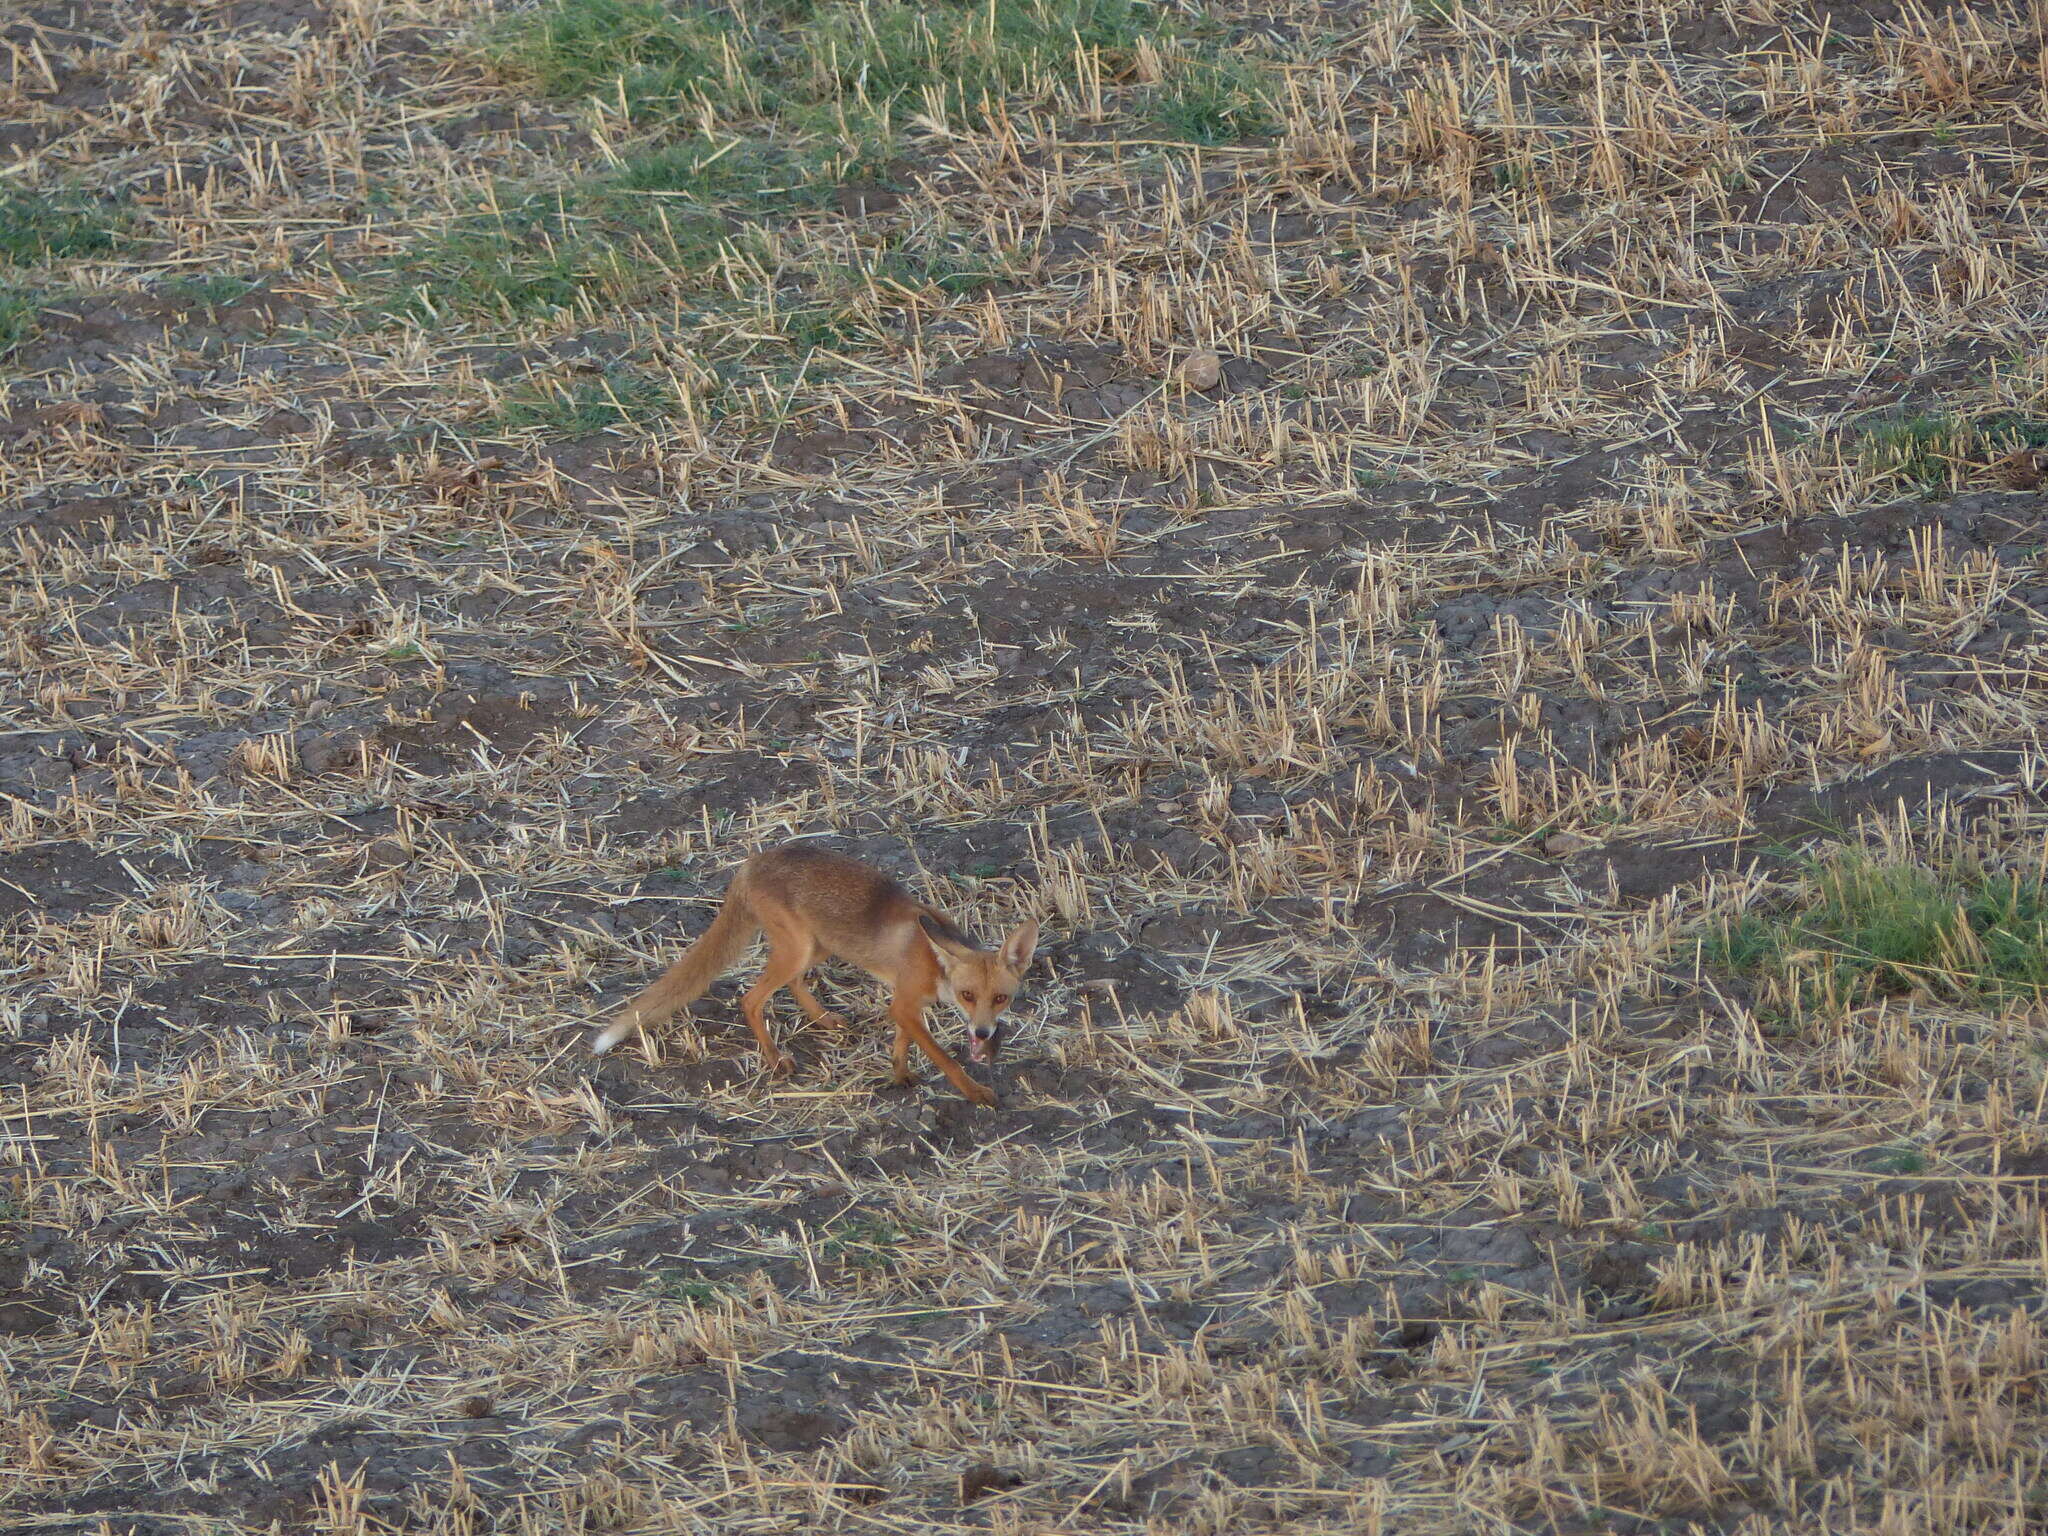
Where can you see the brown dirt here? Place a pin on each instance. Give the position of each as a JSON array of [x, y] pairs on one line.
[[1377, 732]]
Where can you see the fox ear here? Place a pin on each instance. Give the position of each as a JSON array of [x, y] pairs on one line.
[[948, 943], [1019, 947]]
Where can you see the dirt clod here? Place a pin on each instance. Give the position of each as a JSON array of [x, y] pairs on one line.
[[1202, 371], [985, 1478]]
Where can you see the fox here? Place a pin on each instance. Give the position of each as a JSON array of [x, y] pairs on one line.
[[813, 904]]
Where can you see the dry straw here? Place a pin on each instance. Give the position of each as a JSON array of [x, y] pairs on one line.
[[1420, 542]]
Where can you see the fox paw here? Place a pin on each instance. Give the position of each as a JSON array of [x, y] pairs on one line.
[[985, 1097], [834, 1021], [781, 1064]]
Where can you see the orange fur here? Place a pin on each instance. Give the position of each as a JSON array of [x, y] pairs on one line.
[[812, 904]]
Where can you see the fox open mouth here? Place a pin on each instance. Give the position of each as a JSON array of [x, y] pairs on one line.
[[978, 1050]]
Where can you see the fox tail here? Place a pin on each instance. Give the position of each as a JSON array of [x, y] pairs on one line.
[[691, 976]]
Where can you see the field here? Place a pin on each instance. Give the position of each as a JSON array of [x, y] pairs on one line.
[[1482, 563]]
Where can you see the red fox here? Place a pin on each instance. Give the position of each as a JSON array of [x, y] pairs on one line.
[[812, 904]]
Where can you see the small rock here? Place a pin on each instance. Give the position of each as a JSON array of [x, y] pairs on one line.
[[387, 853], [984, 1478], [1562, 845], [1202, 371], [336, 749]]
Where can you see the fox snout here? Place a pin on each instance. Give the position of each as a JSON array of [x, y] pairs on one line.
[[984, 1040]]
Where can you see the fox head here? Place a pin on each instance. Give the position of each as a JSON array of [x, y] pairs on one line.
[[981, 983]]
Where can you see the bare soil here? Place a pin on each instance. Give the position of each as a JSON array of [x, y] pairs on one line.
[[1378, 733]]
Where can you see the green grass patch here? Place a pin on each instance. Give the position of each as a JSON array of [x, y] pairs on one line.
[[877, 61], [1928, 453], [2003, 431], [808, 327], [851, 72], [888, 60], [740, 116], [18, 310], [518, 260], [1866, 928], [1938, 453], [952, 266], [559, 409], [675, 1285], [210, 292], [864, 1242], [639, 53], [37, 226], [1902, 1160], [504, 268], [1213, 101], [664, 214], [734, 171]]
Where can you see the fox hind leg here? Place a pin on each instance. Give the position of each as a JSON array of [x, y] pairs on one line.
[[806, 999], [787, 958]]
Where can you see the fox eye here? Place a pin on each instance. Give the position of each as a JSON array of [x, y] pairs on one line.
[[966, 997], [1000, 998]]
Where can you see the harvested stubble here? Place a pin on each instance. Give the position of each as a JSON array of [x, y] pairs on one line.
[[469, 480]]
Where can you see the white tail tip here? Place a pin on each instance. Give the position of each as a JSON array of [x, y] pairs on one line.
[[608, 1037]]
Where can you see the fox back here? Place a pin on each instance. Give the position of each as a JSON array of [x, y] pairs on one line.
[[848, 909]]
